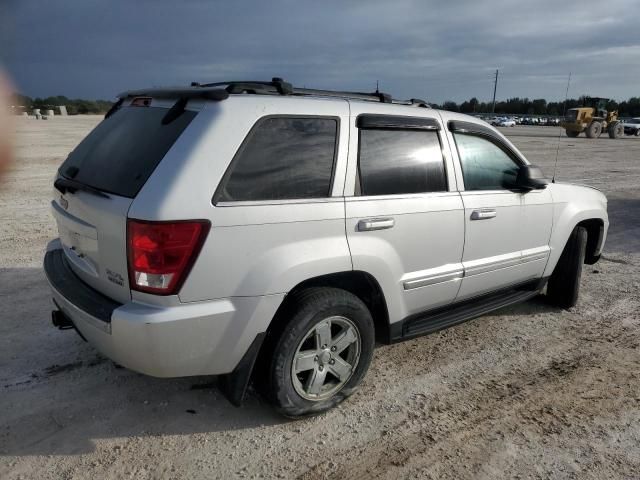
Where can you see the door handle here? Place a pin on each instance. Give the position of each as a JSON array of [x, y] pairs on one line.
[[370, 224], [483, 214]]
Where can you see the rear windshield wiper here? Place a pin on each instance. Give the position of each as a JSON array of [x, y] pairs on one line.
[[64, 185]]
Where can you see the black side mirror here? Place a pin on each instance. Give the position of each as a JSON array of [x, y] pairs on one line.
[[530, 177]]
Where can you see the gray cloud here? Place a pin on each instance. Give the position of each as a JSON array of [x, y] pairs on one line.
[[427, 49]]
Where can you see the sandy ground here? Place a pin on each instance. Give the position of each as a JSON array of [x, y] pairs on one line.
[[527, 392]]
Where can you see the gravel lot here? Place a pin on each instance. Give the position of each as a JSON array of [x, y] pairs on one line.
[[528, 392]]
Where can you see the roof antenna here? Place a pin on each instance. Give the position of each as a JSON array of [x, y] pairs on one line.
[[564, 114]]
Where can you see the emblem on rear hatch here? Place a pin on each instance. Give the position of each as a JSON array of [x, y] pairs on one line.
[[115, 277], [64, 203]]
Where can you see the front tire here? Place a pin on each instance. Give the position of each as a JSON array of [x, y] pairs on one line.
[[323, 353], [572, 133], [594, 129], [616, 130], [564, 284]]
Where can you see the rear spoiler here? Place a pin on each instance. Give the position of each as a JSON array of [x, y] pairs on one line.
[[182, 93], [210, 93]]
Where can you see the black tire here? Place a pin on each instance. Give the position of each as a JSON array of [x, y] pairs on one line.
[[572, 133], [564, 284], [308, 309], [594, 129], [616, 130], [638, 133]]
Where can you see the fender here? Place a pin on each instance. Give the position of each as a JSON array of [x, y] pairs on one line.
[[573, 204]]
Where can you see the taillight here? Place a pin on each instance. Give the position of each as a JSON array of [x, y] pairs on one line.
[[160, 254]]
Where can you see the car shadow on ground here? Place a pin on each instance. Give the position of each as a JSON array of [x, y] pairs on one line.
[[624, 225], [58, 394]]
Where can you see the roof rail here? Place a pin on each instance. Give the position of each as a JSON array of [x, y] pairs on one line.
[[277, 86]]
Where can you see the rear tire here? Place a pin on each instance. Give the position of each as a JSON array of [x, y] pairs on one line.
[[563, 287], [323, 353], [638, 133], [594, 130], [572, 133], [616, 130]]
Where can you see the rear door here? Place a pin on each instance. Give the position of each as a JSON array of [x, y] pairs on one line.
[[404, 221], [97, 184]]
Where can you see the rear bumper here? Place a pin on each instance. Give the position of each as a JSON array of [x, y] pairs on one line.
[[199, 338]]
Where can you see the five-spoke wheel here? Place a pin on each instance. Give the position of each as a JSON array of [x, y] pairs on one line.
[[325, 358], [322, 353]]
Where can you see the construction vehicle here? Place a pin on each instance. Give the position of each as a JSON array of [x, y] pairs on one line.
[[592, 119]]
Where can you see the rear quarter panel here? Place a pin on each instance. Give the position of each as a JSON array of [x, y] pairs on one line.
[[253, 248]]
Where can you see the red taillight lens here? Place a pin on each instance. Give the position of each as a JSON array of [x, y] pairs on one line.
[[161, 254]]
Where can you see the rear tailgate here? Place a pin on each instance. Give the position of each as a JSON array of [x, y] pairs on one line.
[[93, 232], [100, 179]]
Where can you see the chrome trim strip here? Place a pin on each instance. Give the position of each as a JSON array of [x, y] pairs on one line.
[[446, 273], [489, 264]]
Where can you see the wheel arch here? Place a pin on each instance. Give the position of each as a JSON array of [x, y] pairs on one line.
[[359, 283], [595, 237]]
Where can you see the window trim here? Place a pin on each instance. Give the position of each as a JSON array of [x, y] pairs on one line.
[[358, 180], [370, 121], [486, 133], [470, 128], [216, 201]]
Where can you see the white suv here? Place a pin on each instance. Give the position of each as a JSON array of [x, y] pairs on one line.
[[253, 229]]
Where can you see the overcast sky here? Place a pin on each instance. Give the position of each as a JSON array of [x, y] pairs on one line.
[[425, 49]]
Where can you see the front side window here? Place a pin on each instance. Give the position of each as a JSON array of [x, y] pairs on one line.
[[283, 158], [485, 166], [397, 161]]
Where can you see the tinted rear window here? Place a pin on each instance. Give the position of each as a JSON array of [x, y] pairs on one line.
[[120, 154], [283, 158]]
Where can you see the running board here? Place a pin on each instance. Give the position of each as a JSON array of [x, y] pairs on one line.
[[441, 318]]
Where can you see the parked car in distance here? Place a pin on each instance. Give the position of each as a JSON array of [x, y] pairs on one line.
[[507, 122], [632, 127], [257, 230]]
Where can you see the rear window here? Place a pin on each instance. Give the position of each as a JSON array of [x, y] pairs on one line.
[[120, 154], [283, 158]]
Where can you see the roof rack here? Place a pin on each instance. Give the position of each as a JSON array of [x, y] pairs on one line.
[[277, 86]]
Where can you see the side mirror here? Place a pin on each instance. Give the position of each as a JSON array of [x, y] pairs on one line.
[[530, 177]]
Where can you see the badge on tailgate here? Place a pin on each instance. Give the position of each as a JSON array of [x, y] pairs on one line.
[[115, 277]]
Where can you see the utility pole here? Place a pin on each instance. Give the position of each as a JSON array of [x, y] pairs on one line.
[[495, 87]]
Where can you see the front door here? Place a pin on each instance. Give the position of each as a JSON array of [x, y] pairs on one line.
[[506, 232]]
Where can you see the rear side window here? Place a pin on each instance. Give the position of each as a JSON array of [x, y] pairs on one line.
[[120, 154], [400, 162], [283, 158], [485, 166]]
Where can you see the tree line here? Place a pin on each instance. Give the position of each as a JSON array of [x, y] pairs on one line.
[[75, 106], [538, 106], [512, 106]]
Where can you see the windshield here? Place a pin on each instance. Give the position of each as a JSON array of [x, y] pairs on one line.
[[120, 154], [572, 114]]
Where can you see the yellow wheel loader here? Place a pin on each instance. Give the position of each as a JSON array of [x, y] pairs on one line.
[[593, 119]]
